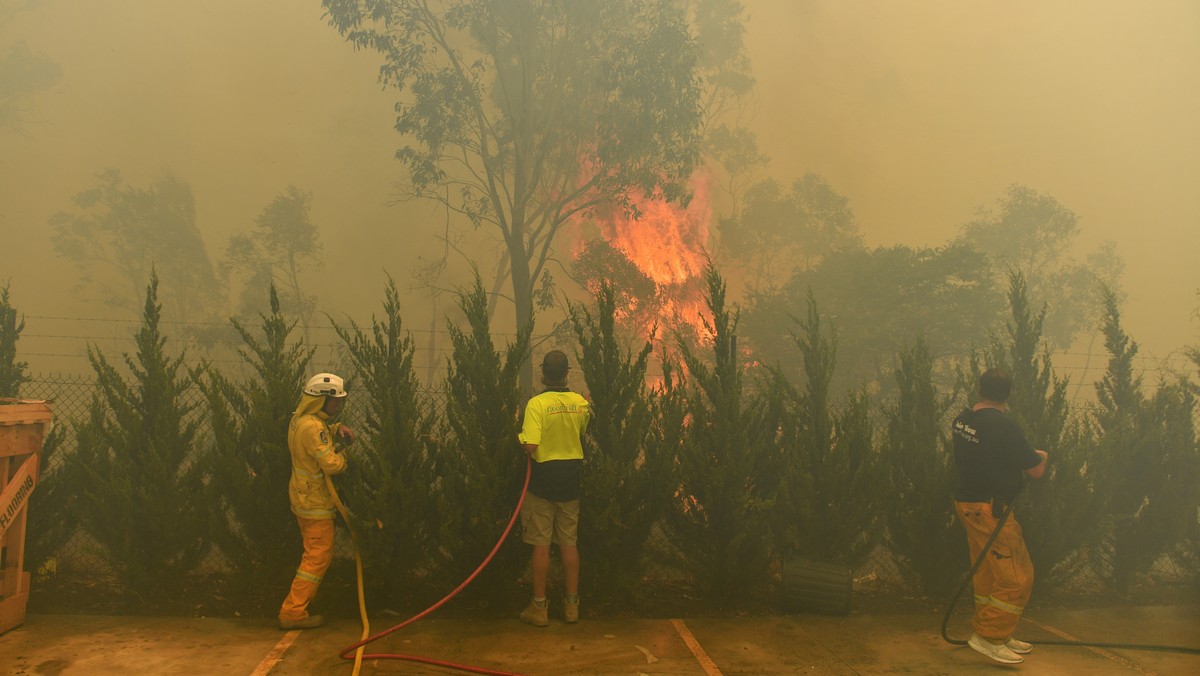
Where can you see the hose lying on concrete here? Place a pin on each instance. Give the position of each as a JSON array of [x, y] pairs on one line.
[[357, 648], [979, 561]]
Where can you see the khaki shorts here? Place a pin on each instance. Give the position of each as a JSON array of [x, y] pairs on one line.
[[547, 522]]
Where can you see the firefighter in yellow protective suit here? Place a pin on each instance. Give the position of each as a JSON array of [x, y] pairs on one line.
[[312, 437]]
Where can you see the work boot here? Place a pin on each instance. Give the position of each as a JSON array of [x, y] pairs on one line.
[[571, 610], [538, 617], [310, 622], [996, 651], [1019, 647]]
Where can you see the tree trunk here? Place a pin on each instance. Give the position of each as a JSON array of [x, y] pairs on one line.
[[522, 287]]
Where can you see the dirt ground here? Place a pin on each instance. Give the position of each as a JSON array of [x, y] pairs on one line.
[[880, 636]]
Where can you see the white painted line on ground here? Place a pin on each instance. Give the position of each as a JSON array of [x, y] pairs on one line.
[[702, 657], [1099, 651], [276, 653]]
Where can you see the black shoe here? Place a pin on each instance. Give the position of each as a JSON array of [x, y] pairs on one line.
[[310, 622]]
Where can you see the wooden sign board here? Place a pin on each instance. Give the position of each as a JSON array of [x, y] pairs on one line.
[[23, 426]]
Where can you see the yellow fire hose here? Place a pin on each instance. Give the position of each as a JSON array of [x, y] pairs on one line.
[[362, 602], [358, 569]]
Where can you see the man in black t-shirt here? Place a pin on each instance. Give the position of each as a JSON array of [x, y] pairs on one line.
[[990, 454]]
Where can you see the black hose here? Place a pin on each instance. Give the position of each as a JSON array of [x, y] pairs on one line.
[[971, 574]]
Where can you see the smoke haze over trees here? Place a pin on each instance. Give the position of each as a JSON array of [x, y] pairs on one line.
[[883, 196], [124, 232], [922, 120]]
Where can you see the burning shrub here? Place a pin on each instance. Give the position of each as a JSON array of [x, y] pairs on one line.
[[623, 485], [725, 469]]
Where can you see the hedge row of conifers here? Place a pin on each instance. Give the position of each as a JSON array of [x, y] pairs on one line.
[[719, 472]]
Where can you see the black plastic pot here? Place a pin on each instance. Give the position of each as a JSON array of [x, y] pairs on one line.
[[811, 586]]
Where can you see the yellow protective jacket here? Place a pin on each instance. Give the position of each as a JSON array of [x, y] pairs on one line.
[[310, 441]]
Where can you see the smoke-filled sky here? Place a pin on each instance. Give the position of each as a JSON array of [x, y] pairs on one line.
[[919, 112], [922, 111]]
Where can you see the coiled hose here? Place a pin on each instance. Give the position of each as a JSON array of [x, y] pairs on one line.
[[357, 648], [979, 561]]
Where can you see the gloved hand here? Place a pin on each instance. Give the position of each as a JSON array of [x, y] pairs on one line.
[[345, 436]]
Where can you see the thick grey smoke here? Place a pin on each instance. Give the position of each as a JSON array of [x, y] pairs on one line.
[[918, 112]]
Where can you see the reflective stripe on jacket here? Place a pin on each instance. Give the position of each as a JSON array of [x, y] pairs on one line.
[[310, 441]]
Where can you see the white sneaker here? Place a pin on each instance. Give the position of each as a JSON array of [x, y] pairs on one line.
[[1000, 653], [1019, 647]]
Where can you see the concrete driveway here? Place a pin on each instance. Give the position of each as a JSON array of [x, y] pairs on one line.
[[878, 643]]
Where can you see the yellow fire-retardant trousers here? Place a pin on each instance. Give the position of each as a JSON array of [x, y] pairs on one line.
[[317, 535], [1004, 581]]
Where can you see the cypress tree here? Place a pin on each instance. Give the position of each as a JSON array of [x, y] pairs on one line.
[[623, 496], [50, 523], [828, 503], [12, 372], [922, 528], [1189, 550], [668, 432], [141, 495], [249, 462], [1147, 458], [1167, 518], [1058, 511], [53, 517], [392, 477], [724, 467], [479, 462]]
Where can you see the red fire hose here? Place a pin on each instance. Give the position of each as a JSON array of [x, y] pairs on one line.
[[357, 648]]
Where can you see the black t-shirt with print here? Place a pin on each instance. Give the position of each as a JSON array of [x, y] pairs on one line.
[[990, 453]]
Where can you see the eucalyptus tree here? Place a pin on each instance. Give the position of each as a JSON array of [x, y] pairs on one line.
[[24, 73], [730, 149], [117, 233], [778, 232], [521, 115], [1032, 233], [283, 243], [882, 300]]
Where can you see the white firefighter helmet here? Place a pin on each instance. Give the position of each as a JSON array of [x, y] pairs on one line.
[[325, 384]]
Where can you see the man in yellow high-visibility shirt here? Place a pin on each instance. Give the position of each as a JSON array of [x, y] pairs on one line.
[[555, 421]]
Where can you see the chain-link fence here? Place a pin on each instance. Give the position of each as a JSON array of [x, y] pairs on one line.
[[71, 396]]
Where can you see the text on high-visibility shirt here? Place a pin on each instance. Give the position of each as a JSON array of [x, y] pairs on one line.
[[554, 421]]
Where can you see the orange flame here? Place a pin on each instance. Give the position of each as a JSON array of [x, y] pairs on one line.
[[667, 243]]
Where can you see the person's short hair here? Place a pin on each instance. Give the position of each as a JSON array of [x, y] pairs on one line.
[[995, 385], [555, 366]]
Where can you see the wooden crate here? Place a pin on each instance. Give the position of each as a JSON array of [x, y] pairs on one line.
[[23, 426]]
